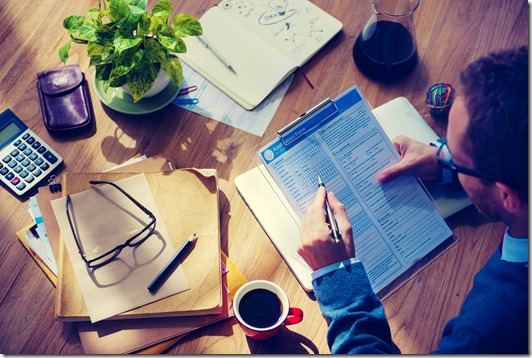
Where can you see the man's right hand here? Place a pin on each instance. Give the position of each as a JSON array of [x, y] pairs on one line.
[[417, 159], [316, 245]]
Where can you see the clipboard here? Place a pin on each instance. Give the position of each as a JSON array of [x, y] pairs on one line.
[[276, 215]]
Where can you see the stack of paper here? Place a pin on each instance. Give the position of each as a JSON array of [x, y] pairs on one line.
[[187, 200], [220, 278], [105, 218]]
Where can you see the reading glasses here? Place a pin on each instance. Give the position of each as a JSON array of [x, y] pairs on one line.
[[449, 164], [133, 241]]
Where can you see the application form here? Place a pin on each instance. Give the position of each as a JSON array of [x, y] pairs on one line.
[[394, 224]]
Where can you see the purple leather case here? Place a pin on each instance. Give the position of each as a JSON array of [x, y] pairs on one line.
[[65, 100]]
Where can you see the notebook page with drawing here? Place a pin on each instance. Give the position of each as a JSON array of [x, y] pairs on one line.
[[264, 41], [281, 221]]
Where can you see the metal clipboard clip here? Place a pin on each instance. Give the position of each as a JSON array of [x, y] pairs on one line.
[[307, 121]]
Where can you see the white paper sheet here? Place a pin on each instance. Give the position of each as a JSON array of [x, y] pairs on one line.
[[104, 218], [216, 105]]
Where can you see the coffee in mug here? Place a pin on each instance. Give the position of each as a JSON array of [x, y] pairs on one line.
[[262, 308]]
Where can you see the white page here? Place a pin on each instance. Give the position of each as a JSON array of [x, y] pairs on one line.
[[122, 284], [297, 28], [394, 224]]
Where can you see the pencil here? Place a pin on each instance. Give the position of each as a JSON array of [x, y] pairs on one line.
[[170, 266]]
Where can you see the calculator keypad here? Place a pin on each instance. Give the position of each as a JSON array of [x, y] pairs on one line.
[[26, 161]]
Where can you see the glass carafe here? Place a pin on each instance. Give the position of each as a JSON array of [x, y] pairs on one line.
[[386, 48]]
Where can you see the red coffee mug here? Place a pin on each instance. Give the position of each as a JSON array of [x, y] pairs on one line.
[[262, 308]]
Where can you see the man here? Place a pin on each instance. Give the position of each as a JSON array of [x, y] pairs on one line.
[[487, 136]]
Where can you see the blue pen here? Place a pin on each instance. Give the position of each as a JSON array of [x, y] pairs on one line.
[[170, 266]]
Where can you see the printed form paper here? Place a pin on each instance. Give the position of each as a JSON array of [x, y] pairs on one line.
[[394, 224]]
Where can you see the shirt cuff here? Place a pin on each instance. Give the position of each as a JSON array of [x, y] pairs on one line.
[[333, 267]]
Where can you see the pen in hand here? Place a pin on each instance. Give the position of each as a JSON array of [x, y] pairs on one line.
[[171, 265], [337, 237]]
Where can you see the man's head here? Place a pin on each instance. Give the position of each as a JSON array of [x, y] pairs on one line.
[[488, 126]]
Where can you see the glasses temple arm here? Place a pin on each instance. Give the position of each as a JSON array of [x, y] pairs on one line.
[[142, 207]]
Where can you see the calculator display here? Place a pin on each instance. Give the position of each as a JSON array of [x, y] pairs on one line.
[[8, 132]]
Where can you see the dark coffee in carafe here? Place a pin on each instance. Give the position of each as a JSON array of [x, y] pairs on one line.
[[386, 48]]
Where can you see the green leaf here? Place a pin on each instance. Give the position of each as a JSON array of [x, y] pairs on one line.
[[141, 78], [118, 11], [122, 64], [143, 26], [153, 51], [95, 16], [103, 72], [174, 70], [127, 60], [139, 3], [186, 25], [88, 30], [73, 23], [154, 23], [95, 49], [63, 51], [124, 41], [135, 14], [117, 81], [163, 9], [100, 53], [181, 46], [166, 37], [104, 34]]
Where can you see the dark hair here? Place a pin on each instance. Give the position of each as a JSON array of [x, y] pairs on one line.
[[495, 89]]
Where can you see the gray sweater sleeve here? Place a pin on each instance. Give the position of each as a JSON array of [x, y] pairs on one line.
[[356, 318], [493, 319]]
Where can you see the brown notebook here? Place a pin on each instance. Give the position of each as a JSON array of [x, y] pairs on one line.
[[183, 196]]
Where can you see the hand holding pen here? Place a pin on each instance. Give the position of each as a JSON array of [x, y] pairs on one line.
[[316, 245]]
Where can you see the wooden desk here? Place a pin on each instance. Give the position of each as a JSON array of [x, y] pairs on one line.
[[449, 33]]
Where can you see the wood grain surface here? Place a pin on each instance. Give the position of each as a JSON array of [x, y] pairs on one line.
[[449, 33]]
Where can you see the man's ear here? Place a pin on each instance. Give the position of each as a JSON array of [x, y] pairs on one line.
[[509, 198]]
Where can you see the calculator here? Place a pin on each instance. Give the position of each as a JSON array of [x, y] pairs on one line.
[[25, 159]]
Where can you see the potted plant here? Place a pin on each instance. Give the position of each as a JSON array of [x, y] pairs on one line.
[[130, 46]]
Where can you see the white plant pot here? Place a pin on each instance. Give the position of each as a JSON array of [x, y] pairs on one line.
[[161, 82]]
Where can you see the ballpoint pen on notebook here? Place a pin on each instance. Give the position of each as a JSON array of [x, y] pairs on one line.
[[171, 265], [216, 53], [337, 237]]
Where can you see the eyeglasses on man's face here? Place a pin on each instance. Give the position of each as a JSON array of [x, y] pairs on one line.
[[451, 165], [133, 241]]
